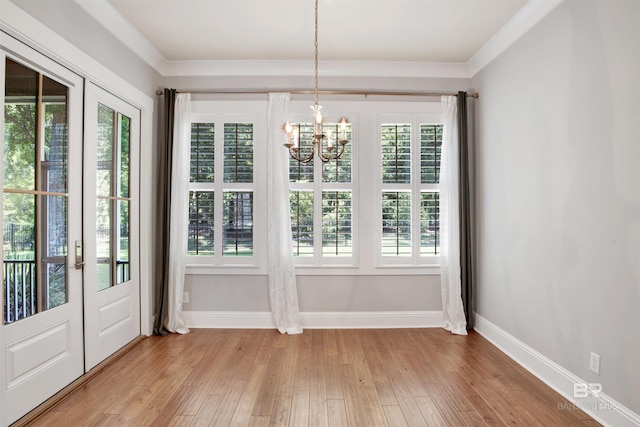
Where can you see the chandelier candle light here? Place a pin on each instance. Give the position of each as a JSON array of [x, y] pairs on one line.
[[325, 151]]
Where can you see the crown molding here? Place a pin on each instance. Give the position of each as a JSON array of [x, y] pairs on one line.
[[103, 12], [305, 68], [17, 23], [523, 21]]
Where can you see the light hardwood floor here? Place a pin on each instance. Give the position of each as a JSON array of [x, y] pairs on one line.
[[385, 377]]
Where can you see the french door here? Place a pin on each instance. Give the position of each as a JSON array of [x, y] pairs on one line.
[[111, 215], [70, 216], [41, 337]]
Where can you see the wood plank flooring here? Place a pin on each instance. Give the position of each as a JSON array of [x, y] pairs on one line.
[[364, 377]]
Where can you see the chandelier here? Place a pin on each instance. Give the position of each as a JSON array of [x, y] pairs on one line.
[[325, 145]]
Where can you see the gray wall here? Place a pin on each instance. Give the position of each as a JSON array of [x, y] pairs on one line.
[[350, 293], [317, 293], [558, 187]]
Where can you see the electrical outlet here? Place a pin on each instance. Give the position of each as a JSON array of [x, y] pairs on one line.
[[594, 363], [185, 298]]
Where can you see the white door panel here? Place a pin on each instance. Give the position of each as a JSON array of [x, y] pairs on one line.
[[41, 335], [111, 250]]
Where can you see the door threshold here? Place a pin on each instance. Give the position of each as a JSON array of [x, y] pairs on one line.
[[51, 402]]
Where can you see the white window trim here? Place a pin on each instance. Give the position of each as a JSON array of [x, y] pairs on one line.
[[366, 185], [415, 260], [301, 113], [220, 112]]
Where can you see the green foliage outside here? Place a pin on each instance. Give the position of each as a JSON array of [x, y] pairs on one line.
[[21, 276], [337, 209], [237, 167]]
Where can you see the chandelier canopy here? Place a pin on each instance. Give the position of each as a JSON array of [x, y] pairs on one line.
[[323, 144]]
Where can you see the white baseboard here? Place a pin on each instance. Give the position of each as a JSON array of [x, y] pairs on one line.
[[316, 320], [602, 408]]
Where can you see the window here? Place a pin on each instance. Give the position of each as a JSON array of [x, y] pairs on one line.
[[113, 198], [374, 208], [35, 193], [430, 149], [409, 193], [321, 199], [221, 196]]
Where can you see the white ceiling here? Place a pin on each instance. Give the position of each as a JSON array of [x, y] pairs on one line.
[[416, 31]]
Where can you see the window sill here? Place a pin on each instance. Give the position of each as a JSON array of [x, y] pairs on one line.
[[393, 270]]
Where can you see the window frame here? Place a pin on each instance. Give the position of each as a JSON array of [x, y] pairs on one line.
[[415, 188], [318, 262], [219, 113], [365, 185]]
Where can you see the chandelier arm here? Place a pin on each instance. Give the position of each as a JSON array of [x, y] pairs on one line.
[[335, 156], [297, 157], [324, 158], [328, 158]]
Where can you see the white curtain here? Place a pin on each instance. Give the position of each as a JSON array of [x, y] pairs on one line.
[[179, 212], [450, 282], [283, 293]]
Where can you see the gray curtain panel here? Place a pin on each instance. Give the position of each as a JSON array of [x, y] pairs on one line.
[[163, 209], [466, 237]]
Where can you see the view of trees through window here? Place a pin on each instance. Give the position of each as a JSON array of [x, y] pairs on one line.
[[321, 200], [405, 229], [403, 188], [34, 194], [231, 180], [112, 204]]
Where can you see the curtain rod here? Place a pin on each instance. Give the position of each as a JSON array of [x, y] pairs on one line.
[[321, 92]]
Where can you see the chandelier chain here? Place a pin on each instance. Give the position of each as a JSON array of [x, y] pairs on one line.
[[316, 54], [327, 147]]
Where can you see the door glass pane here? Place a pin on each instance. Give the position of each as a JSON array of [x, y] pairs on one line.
[[122, 263], [103, 243], [104, 154], [112, 190], [54, 254], [20, 127], [34, 194], [53, 176], [104, 150], [20, 280], [54, 150], [122, 214], [123, 160]]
